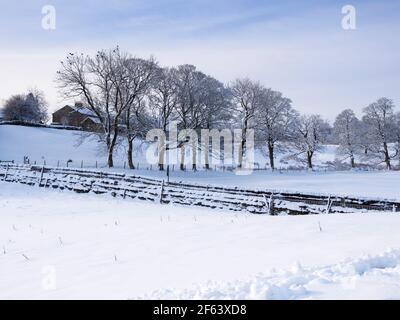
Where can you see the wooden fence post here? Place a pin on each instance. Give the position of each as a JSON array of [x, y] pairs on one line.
[[41, 176], [270, 204], [328, 205], [161, 191], [5, 176], [168, 173]]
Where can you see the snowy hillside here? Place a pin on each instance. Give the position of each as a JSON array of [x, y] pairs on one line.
[[101, 247], [52, 145]]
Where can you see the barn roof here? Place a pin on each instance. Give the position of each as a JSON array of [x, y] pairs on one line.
[[84, 110], [94, 119]]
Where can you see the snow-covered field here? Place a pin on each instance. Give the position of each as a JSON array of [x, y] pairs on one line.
[[57, 245], [351, 183], [64, 245], [52, 145], [58, 146]]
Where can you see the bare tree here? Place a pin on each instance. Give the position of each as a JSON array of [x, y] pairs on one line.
[[216, 113], [274, 118], [347, 129], [189, 107], [99, 81], [14, 108], [246, 97], [380, 121], [163, 100], [140, 75], [310, 134]]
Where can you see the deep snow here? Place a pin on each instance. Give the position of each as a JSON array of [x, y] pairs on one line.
[[102, 247], [369, 277]]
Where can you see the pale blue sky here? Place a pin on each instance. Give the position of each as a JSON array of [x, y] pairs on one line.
[[297, 47]]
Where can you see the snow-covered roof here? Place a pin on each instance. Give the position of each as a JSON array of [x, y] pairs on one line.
[[95, 119], [84, 110]]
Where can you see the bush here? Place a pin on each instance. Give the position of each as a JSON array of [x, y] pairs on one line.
[[31, 108]]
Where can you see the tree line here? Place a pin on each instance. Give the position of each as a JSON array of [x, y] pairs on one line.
[[132, 95]]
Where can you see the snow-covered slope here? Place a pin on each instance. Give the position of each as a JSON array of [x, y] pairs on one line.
[[50, 145], [64, 245], [53, 145]]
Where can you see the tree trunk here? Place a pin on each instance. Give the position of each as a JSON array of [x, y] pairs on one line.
[[194, 154], [130, 154], [387, 157], [240, 160], [111, 143], [182, 163], [352, 161], [110, 161], [309, 159], [206, 154], [242, 149], [111, 146], [161, 154], [271, 155]]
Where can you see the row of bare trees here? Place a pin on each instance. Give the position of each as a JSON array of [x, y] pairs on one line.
[[277, 125], [376, 136], [131, 95]]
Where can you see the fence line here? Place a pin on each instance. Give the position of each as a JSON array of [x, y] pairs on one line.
[[214, 197]]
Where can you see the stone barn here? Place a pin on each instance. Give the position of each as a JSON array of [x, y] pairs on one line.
[[91, 124], [77, 116]]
